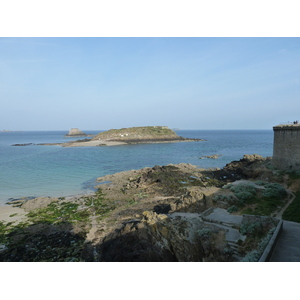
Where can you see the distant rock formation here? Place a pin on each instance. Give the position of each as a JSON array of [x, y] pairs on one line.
[[26, 144], [214, 156], [75, 132]]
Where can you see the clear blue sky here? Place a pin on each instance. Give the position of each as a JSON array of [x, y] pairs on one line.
[[186, 83]]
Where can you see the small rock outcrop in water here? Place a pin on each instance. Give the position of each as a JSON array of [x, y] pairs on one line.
[[27, 144], [76, 132], [214, 156]]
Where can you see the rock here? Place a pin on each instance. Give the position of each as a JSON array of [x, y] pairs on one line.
[[251, 158], [158, 238], [27, 144], [74, 132], [214, 156], [193, 201], [40, 202]]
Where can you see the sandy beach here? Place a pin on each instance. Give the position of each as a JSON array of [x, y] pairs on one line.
[[90, 143], [12, 214]]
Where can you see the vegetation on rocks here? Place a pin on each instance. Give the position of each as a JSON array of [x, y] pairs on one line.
[[259, 231], [249, 198], [152, 214], [292, 213], [54, 233]]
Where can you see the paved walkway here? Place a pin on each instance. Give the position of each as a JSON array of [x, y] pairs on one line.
[[223, 216], [290, 200], [287, 248]]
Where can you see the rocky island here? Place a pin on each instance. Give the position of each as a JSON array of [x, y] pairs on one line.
[[75, 132], [137, 135], [164, 213]]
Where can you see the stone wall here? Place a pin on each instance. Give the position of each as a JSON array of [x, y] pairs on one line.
[[286, 148]]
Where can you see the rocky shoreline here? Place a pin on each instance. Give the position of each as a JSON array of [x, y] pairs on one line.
[[164, 213]]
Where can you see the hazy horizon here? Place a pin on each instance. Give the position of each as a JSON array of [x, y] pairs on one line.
[[187, 129]]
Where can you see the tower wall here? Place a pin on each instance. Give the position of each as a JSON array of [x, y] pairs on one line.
[[286, 147]]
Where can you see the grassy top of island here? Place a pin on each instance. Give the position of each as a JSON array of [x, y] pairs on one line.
[[140, 134]]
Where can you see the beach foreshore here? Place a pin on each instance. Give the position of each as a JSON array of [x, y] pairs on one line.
[[12, 214], [14, 211]]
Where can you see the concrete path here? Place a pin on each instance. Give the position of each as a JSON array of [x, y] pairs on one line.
[[287, 248], [290, 200], [224, 217], [221, 218]]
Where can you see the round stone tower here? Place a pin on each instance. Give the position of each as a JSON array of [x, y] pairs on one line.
[[286, 148]]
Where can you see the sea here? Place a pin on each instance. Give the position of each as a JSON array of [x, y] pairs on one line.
[[55, 171]]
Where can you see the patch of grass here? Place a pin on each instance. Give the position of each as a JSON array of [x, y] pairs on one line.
[[293, 174], [264, 207], [244, 192], [56, 212], [131, 202], [228, 199], [271, 198], [247, 211], [141, 195], [274, 191], [252, 229], [292, 213], [99, 205], [258, 232], [7, 228], [215, 182], [255, 255], [3, 231], [232, 209]]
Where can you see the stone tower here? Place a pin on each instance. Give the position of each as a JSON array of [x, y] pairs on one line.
[[286, 148]]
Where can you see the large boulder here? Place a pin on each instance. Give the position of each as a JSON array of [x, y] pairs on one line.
[[164, 238]]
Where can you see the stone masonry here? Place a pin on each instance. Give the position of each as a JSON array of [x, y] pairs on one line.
[[286, 148]]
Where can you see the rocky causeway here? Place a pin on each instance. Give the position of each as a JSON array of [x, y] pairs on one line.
[[124, 136]]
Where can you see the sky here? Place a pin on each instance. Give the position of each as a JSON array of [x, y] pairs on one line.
[[99, 83]]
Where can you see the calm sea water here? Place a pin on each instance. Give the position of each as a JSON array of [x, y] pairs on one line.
[[57, 171]]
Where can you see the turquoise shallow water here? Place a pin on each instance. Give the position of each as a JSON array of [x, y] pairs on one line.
[[57, 171]]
